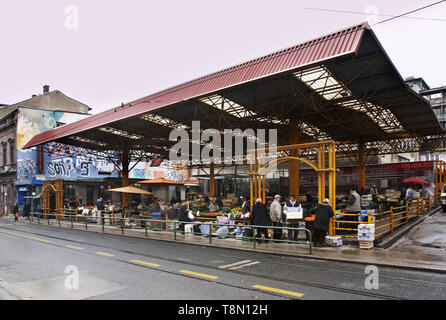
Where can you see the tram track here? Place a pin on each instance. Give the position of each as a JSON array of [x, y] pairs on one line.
[[211, 267]]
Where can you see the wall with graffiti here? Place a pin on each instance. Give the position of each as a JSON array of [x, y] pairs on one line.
[[66, 164], [63, 165], [31, 122]]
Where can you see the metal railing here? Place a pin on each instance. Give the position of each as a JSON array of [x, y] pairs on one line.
[[173, 227], [385, 222]]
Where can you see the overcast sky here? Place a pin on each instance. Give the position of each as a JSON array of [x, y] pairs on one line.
[[123, 50]]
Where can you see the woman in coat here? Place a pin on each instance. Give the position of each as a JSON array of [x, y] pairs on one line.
[[323, 213], [260, 217]]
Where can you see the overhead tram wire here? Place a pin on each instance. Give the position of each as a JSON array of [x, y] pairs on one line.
[[379, 15], [409, 12]]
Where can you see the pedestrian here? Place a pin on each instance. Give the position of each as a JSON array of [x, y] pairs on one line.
[[183, 215], [410, 195], [294, 214], [260, 217], [99, 207], [213, 206], [374, 192], [275, 214], [323, 214], [15, 212]]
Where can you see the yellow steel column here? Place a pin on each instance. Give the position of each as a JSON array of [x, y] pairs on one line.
[[251, 180], [361, 165], [332, 175], [323, 172], [293, 174], [319, 183]]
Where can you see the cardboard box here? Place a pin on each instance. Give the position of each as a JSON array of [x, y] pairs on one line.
[[366, 232], [334, 241], [366, 237], [366, 228]]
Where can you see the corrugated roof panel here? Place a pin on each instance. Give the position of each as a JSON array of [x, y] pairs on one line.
[[312, 51]]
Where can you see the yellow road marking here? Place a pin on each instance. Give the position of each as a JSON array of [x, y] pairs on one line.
[[23, 236], [74, 247], [145, 263], [104, 254], [198, 274], [290, 293]]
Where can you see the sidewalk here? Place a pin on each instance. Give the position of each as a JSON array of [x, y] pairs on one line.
[[349, 253]]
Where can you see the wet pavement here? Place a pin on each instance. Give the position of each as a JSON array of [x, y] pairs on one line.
[[426, 240], [423, 248], [35, 258]]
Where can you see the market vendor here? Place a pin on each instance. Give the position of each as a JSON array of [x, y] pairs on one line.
[[353, 202], [213, 206]]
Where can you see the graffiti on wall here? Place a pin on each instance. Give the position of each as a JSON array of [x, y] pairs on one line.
[[31, 122]]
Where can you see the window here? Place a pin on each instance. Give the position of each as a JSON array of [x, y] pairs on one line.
[[11, 152], [4, 154]]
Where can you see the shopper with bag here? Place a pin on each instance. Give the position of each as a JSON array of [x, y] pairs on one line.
[[294, 214], [275, 214], [323, 214], [184, 215]]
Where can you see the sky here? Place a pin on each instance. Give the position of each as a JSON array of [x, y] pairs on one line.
[[105, 52]]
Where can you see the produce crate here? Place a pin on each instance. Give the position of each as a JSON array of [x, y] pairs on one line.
[[364, 244]]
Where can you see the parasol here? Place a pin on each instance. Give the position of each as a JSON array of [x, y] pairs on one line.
[[426, 178], [130, 189], [416, 180]]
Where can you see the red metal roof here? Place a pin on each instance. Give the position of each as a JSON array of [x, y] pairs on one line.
[[340, 43]]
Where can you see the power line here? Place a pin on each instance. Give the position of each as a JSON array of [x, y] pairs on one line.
[[380, 15], [406, 13]]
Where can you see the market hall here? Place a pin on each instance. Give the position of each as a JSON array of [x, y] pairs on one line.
[[340, 90]]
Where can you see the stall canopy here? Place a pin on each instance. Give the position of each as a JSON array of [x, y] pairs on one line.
[[341, 87], [130, 189]]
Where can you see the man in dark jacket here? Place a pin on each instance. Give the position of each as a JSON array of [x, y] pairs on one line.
[[260, 217], [183, 215], [323, 212]]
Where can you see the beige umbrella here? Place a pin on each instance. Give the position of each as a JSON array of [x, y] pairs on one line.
[[130, 189]]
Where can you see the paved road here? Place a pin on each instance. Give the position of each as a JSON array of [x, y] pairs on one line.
[[34, 259]]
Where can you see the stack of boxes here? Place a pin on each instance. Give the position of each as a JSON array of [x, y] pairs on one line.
[[366, 235], [333, 241]]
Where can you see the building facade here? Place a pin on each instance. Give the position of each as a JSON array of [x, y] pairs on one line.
[[437, 98]]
